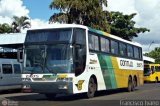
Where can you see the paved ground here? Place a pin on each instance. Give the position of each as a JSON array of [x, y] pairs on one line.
[[148, 95]]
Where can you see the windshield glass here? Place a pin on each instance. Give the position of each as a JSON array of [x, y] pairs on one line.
[[49, 35], [55, 58]]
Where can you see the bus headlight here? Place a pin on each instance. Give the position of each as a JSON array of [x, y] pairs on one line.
[[62, 87], [64, 79]]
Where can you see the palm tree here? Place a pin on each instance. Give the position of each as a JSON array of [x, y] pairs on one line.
[[5, 28], [20, 23]]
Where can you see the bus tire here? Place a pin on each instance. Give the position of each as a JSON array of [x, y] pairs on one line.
[[50, 95], [130, 85], [92, 87], [133, 84], [156, 79]]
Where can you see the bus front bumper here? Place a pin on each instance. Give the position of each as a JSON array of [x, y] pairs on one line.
[[48, 87]]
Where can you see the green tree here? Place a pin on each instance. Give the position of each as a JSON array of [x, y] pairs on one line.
[[20, 23], [123, 26], [84, 12], [154, 54], [5, 28]]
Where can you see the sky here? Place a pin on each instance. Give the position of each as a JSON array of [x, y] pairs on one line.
[[148, 14]]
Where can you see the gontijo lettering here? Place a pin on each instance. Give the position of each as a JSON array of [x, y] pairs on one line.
[[126, 63]]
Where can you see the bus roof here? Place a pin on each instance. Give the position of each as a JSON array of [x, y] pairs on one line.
[[53, 26], [148, 59], [12, 40]]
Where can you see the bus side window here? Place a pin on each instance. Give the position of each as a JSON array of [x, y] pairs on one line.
[[130, 51], [114, 47], [123, 49], [152, 69], [156, 68], [159, 68], [7, 68], [17, 68]]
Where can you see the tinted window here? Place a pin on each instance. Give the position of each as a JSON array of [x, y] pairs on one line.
[[123, 49], [49, 35], [96, 42], [93, 42], [152, 69], [130, 51], [105, 45], [80, 51], [159, 68], [17, 69], [114, 47], [140, 53], [7, 68], [136, 53], [80, 37]]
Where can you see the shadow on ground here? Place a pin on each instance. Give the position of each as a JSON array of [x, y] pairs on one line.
[[41, 97]]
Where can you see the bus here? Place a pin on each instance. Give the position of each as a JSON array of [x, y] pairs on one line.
[[10, 68], [72, 59], [152, 72], [10, 74]]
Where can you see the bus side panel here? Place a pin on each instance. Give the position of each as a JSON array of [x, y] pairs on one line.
[[116, 76], [107, 71], [92, 69], [123, 68], [119, 74]]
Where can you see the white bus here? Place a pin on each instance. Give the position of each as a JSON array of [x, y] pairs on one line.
[[73, 59], [10, 74], [10, 68]]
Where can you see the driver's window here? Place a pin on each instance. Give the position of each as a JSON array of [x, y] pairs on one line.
[[79, 51]]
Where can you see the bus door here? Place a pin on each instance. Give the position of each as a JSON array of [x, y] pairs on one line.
[[17, 74]]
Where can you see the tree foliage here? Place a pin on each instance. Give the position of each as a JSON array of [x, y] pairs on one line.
[[20, 23], [17, 24], [154, 54], [84, 12], [123, 25], [90, 13], [5, 28]]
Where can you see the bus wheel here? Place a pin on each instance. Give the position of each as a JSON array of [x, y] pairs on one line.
[[50, 95], [156, 79], [133, 84], [92, 87], [130, 85]]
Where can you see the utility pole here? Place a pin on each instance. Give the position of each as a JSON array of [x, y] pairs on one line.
[[150, 45]]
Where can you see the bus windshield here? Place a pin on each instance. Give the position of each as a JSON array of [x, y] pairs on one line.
[[55, 58], [52, 35]]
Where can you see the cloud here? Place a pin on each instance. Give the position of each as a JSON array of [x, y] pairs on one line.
[[10, 8], [37, 23], [148, 14], [13, 7], [5, 20]]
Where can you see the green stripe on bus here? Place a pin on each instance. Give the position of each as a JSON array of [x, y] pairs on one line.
[[108, 71], [96, 31]]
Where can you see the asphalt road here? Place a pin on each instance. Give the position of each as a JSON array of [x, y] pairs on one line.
[[148, 95]]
